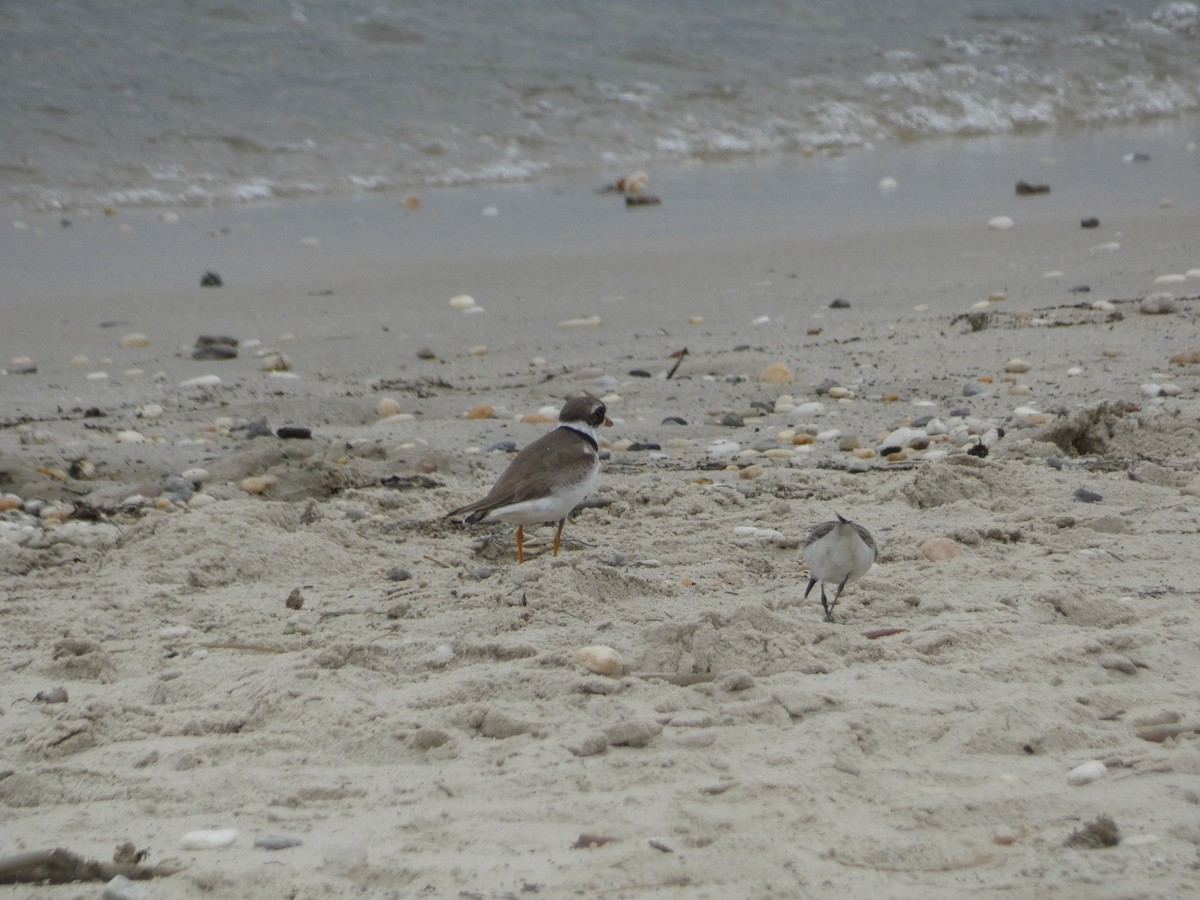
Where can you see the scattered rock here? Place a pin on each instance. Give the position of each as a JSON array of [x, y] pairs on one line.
[[1026, 188], [276, 842], [776, 373], [1086, 773], [839, 303], [210, 279], [1089, 222]]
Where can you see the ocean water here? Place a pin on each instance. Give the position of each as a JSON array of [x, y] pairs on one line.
[[202, 102]]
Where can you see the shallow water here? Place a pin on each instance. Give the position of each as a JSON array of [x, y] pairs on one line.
[[191, 103]]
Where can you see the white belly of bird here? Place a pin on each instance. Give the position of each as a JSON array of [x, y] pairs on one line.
[[836, 558], [551, 508]]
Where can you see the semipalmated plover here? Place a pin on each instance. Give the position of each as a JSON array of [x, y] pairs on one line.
[[837, 552], [549, 478]]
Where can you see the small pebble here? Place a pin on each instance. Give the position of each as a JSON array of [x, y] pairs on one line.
[[839, 303], [1089, 222], [751, 472], [1000, 223], [581, 322], [1189, 357], [258, 484], [478, 350], [1085, 496], [209, 839], [293, 432], [135, 340], [1086, 773], [481, 411], [210, 279], [840, 393], [1017, 365], [462, 301]]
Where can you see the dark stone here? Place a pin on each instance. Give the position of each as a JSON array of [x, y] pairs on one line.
[[503, 447], [639, 373], [399, 575], [211, 279], [1083, 495], [674, 420], [643, 445], [1089, 222], [641, 200], [960, 412], [732, 420], [294, 431], [1081, 289], [1025, 188], [970, 389], [215, 351], [921, 421], [979, 450], [840, 303]]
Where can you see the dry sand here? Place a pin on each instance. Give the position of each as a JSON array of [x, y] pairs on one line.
[[422, 725]]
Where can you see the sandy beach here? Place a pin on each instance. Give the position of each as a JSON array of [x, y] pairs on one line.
[[417, 721]]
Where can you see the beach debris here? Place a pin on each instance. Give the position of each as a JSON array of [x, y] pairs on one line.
[[776, 373], [1160, 303], [627, 184], [426, 353], [1099, 833], [601, 660], [274, 361], [293, 432], [875, 633], [1026, 188], [209, 839], [61, 866], [587, 841], [215, 347], [1086, 773], [1000, 223], [580, 322], [636, 200], [839, 303], [678, 356], [211, 279]]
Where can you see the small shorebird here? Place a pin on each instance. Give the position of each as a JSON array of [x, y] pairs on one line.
[[548, 478], [837, 552]]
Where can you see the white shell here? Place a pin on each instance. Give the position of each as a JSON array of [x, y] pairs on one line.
[[1086, 773], [1000, 223], [601, 660], [208, 839]]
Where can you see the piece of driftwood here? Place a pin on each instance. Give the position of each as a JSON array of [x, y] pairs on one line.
[[61, 866]]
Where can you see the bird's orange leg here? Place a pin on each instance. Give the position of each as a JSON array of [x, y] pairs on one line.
[[558, 535], [520, 544]]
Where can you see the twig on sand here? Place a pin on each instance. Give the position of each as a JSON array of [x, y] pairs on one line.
[[61, 866]]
